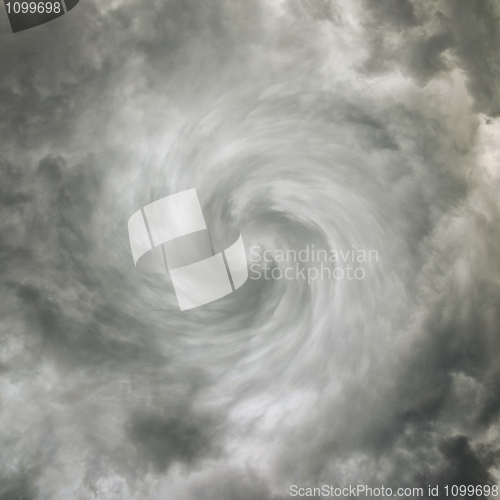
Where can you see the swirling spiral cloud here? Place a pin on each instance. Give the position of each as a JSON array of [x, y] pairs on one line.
[[354, 144]]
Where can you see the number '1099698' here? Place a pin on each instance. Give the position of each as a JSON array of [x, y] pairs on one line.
[[33, 7], [26, 15], [471, 490]]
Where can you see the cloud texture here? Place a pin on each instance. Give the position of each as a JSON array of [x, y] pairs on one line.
[[356, 124]]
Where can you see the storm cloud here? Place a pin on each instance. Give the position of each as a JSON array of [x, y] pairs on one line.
[[334, 125]]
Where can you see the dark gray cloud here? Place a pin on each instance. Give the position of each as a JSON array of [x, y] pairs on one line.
[[475, 28], [19, 486], [366, 125], [173, 438], [429, 39], [396, 14]]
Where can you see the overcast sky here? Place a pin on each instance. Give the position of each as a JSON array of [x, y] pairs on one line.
[[366, 124]]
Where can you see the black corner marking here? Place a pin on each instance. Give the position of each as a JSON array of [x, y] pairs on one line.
[[70, 4], [45, 11]]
